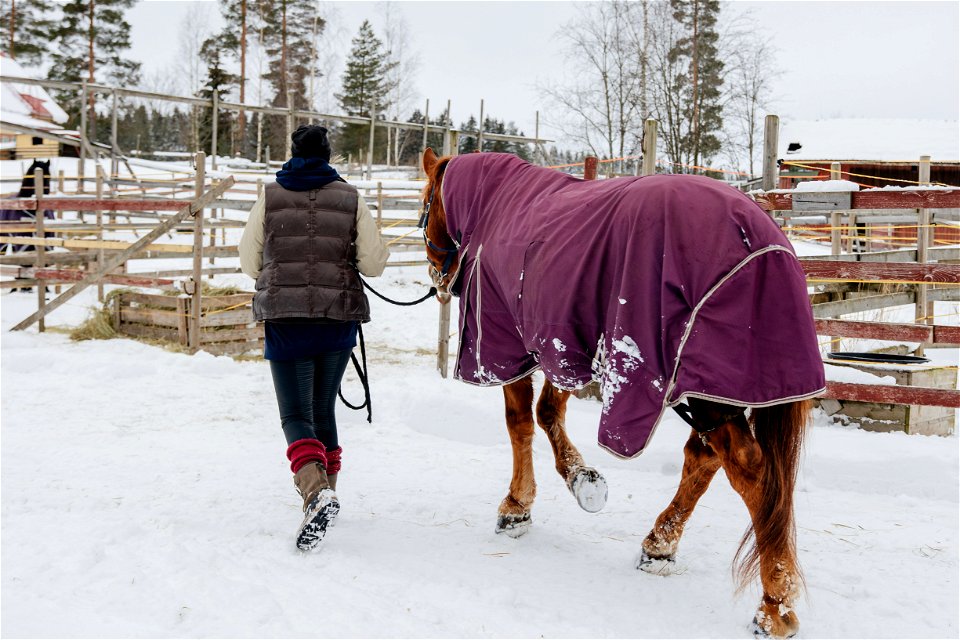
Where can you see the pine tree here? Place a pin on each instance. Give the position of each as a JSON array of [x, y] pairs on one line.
[[699, 87], [364, 87], [25, 26], [91, 41], [235, 39], [468, 144], [292, 29], [219, 82]]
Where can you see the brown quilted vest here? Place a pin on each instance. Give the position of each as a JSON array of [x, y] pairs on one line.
[[309, 256]]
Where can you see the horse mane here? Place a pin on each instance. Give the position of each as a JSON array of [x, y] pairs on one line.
[[27, 187]]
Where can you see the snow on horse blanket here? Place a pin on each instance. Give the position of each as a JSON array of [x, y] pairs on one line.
[[659, 287]]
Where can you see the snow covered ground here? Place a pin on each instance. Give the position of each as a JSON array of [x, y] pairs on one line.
[[145, 494]]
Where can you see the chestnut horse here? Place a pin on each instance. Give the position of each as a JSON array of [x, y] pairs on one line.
[[759, 455]]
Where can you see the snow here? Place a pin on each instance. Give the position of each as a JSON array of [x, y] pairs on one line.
[[145, 493], [883, 139], [827, 185], [14, 104]]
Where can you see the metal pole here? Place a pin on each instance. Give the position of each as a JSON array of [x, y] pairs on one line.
[[771, 173], [373, 125], [83, 138], [480, 128], [215, 104], [114, 149]]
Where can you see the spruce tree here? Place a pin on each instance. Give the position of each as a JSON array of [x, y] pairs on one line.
[[97, 27], [700, 86], [219, 81], [235, 39], [25, 27], [365, 86]]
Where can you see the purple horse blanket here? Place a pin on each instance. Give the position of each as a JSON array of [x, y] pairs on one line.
[[660, 288]]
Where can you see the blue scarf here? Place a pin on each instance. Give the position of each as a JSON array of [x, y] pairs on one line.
[[304, 174]]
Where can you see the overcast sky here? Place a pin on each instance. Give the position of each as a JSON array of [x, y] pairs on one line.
[[838, 59]]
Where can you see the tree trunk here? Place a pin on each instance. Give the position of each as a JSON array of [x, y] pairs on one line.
[[695, 68], [90, 69], [242, 116]]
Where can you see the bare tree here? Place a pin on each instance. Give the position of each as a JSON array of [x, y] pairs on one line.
[[194, 30], [601, 98], [748, 84], [406, 61], [667, 74]]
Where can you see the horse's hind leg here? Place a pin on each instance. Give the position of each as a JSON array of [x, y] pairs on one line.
[[585, 483], [700, 464], [514, 512], [743, 461]]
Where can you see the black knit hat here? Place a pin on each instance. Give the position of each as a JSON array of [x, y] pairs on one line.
[[310, 141]]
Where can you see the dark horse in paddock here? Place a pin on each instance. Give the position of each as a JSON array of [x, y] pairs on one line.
[[670, 292], [27, 190]]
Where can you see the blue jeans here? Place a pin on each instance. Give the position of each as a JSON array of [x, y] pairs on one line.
[[307, 395]]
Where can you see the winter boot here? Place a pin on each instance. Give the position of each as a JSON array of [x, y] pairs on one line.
[[320, 504]]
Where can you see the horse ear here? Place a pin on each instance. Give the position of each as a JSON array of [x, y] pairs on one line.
[[429, 161]]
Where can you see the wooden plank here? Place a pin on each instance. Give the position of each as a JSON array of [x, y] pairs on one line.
[[221, 302], [892, 394], [943, 334], [94, 244], [875, 330], [227, 318], [155, 317], [866, 303], [152, 332], [148, 299], [232, 335], [75, 275], [116, 260], [881, 272], [899, 199], [74, 203]]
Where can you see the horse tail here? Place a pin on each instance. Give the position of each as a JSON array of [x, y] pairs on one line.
[[779, 431]]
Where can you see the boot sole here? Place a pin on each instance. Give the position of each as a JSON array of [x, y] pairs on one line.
[[320, 512]]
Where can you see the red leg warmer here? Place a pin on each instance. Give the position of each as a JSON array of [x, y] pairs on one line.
[[307, 450], [333, 460]]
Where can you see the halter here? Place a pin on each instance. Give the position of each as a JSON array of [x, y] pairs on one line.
[[450, 253]]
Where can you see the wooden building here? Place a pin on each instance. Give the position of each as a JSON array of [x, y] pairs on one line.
[[27, 112]]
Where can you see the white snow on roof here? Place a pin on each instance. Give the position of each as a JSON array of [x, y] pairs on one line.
[[13, 103], [883, 139]]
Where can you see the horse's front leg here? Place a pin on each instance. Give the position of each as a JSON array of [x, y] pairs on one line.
[[514, 514], [700, 463], [585, 483]]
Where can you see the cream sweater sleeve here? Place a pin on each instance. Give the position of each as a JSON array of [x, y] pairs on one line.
[[251, 243], [372, 252]]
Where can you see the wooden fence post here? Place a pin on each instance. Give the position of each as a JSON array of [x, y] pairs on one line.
[[196, 281], [99, 192], [590, 168], [835, 216], [214, 147], [41, 250], [443, 335], [771, 172], [924, 309], [83, 138], [373, 125], [379, 205], [649, 147], [480, 128]]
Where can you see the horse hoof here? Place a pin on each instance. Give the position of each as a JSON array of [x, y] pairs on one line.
[[590, 490], [514, 525], [781, 623], [657, 566]]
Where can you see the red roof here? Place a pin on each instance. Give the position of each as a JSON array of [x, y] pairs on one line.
[[36, 105]]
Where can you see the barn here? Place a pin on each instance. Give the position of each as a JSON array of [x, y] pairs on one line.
[[27, 113], [873, 152]]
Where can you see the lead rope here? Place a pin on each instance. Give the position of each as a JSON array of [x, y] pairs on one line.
[[362, 371]]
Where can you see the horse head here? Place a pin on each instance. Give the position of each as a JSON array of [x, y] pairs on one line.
[[27, 189], [442, 252]]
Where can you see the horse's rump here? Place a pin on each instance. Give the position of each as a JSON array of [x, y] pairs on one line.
[[659, 287]]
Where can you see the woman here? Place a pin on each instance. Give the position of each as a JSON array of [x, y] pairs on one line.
[[305, 240]]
